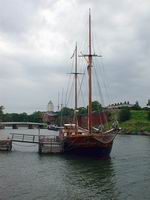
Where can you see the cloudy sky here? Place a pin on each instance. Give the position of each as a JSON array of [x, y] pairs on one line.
[[37, 38]]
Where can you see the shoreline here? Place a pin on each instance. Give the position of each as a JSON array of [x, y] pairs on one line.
[[126, 132]]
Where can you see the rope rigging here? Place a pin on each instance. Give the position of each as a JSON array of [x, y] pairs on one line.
[[104, 81]]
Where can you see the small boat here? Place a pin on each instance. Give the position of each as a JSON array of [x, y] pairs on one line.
[[90, 141], [53, 127]]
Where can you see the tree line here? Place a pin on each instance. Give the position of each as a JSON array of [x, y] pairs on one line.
[[37, 116], [20, 117]]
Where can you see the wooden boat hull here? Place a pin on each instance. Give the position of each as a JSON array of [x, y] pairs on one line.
[[98, 146]]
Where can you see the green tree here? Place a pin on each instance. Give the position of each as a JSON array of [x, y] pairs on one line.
[[148, 103], [148, 115], [36, 117], [7, 117], [136, 106], [1, 113], [82, 111], [15, 117], [23, 117], [124, 114], [96, 106], [67, 111]]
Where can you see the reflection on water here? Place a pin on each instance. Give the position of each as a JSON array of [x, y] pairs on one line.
[[92, 178], [24, 174]]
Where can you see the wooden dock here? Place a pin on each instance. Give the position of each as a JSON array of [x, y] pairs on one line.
[[49, 144], [46, 143], [26, 138], [5, 145]]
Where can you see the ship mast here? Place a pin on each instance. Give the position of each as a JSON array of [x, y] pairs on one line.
[[90, 78], [89, 69], [76, 97], [76, 76], [75, 55]]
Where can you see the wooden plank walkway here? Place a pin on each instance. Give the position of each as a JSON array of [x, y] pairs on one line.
[[49, 144], [26, 138], [46, 143]]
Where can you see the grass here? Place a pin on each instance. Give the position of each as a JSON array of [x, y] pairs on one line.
[[138, 122]]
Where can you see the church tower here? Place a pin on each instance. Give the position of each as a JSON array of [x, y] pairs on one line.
[[50, 107]]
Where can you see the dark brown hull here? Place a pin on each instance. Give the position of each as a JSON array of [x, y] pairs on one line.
[[93, 145]]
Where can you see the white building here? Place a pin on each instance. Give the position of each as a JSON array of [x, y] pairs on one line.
[[50, 107], [120, 105]]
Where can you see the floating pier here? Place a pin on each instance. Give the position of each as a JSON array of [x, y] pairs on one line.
[[50, 144], [25, 138], [5, 145], [46, 143]]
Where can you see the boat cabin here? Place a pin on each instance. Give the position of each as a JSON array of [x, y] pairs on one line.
[[70, 130]]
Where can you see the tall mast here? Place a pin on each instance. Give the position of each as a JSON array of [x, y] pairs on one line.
[[61, 106], [76, 76], [76, 97], [90, 79], [58, 102], [75, 73], [89, 68]]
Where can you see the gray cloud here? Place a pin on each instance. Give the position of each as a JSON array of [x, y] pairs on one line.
[[37, 39]]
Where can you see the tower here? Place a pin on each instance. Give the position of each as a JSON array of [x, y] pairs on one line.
[[50, 106]]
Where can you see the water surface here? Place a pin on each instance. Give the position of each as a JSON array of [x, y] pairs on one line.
[[25, 175]]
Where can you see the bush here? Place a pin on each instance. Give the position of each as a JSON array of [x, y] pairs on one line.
[[136, 106], [124, 114], [148, 115]]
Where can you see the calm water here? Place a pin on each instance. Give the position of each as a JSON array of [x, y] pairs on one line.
[[25, 175]]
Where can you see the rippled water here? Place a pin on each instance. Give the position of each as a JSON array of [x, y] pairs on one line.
[[26, 175]]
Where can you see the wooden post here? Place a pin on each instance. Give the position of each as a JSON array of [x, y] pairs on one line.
[[14, 126], [23, 137], [33, 138]]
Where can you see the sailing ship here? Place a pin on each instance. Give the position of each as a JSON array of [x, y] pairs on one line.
[[83, 141]]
